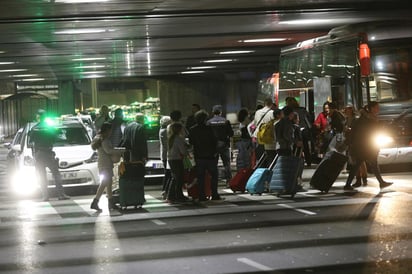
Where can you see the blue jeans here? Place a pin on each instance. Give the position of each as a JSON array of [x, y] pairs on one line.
[[209, 165]]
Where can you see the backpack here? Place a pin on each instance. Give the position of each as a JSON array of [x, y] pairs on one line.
[[266, 133]]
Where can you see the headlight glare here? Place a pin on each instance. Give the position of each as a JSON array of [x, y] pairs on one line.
[[382, 140]]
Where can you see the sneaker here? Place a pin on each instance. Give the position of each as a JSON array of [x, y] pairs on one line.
[[348, 188], [365, 181], [385, 184], [357, 184], [63, 197]]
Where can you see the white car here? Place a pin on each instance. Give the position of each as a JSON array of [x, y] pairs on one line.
[[395, 141], [77, 160]]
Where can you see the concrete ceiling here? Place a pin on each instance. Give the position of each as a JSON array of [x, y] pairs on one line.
[[58, 40]]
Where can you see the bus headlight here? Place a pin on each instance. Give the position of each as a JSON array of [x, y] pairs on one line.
[[382, 140]]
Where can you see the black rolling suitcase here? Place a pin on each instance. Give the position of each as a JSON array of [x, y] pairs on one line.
[[131, 184], [328, 171], [285, 175]]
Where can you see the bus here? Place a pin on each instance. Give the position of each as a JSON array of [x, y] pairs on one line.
[[355, 64]]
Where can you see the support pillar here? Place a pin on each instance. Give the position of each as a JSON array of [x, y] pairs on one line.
[[66, 97]]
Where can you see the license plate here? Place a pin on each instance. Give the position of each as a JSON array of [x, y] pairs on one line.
[[69, 175]]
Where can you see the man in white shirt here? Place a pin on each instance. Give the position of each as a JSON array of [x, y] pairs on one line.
[[262, 116]]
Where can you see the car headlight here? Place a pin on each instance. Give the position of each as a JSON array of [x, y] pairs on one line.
[[382, 139], [25, 182]]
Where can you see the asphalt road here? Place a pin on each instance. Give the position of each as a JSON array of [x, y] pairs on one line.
[[364, 232]]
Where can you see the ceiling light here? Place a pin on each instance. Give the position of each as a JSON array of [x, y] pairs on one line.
[[6, 63], [202, 67], [12, 70], [23, 75], [92, 72], [82, 31], [92, 66], [79, 1], [89, 59], [32, 80], [263, 40], [93, 76], [192, 71], [235, 52], [305, 22], [218, 61]]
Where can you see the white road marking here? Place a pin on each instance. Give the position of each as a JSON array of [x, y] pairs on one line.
[[307, 212], [254, 264], [158, 222]]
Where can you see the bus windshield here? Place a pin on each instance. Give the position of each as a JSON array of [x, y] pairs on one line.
[[331, 69]]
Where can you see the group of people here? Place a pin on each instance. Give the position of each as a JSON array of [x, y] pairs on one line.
[[115, 139], [208, 138], [295, 134], [354, 134], [110, 135]]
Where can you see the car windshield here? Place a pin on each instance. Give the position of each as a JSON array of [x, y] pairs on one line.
[[72, 136]]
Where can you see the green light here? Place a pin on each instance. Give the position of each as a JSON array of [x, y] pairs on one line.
[[51, 121]]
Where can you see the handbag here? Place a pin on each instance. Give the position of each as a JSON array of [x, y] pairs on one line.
[[189, 161]]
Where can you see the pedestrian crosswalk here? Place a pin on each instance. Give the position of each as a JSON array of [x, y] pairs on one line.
[[18, 211], [37, 210]]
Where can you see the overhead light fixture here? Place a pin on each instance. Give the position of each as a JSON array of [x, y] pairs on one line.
[[305, 22], [92, 72], [192, 71], [91, 66], [83, 31], [32, 80], [235, 52], [93, 76], [12, 70], [23, 75], [89, 59], [79, 1], [7, 63], [202, 67], [263, 40], [218, 61]]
